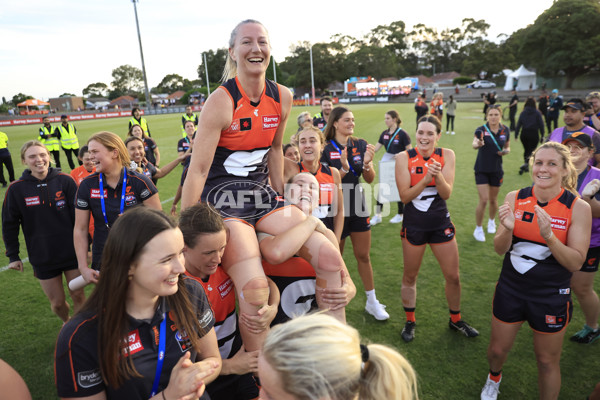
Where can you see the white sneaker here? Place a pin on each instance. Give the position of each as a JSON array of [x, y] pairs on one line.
[[447, 132], [377, 310], [491, 226], [478, 234], [490, 390], [452, 133], [376, 220], [396, 219]]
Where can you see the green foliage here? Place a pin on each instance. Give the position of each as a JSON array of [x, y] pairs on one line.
[[67, 95], [215, 61], [19, 98], [97, 89], [563, 38], [462, 80], [127, 79]]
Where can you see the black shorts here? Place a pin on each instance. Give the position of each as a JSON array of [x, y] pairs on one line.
[[46, 273], [489, 178], [549, 316], [354, 223], [233, 387], [591, 260], [420, 238]]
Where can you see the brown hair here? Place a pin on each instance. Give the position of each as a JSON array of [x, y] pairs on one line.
[[111, 141], [124, 246], [335, 116], [32, 143], [314, 130], [130, 131], [433, 120], [199, 219], [395, 116]]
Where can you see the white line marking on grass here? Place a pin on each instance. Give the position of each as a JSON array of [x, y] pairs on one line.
[[6, 266], [167, 200]]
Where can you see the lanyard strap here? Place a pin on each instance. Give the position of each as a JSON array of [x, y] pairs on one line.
[[340, 151], [387, 148], [493, 137], [102, 204], [161, 354]]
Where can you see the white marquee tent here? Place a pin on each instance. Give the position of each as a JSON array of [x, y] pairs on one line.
[[521, 79]]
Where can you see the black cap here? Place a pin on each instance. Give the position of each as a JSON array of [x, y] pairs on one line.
[[575, 103], [63, 116], [580, 137]]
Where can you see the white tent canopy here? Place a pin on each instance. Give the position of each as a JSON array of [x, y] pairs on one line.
[[521, 79]]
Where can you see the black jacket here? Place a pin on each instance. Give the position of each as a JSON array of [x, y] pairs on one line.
[[530, 120], [46, 212]]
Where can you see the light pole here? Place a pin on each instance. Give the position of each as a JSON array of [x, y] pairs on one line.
[[137, 24], [206, 71], [312, 77]]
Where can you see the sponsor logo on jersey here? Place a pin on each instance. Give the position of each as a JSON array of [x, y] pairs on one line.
[[134, 343], [550, 319], [205, 318], [245, 124], [326, 187], [559, 223], [527, 216], [270, 121], [225, 288], [59, 195], [95, 194], [243, 199], [182, 338], [518, 214], [87, 379], [335, 155], [419, 170], [564, 291], [145, 193], [130, 198], [60, 203], [32, 201], [82, 203]]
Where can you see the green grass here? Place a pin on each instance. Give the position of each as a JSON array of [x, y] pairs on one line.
[[449, 366]]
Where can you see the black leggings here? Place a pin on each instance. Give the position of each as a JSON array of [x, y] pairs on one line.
[[530, 140], [400, 207], [449, 121]]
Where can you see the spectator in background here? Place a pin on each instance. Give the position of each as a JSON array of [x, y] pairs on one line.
[[488, 100], [185, 144], [450, 114], [5, 160], [512, 109], [48, 136], [320, 119], [554, 107], [531, 128], [290, 151], [421, 106], [68, 140], [304, 121], [137, 119], [437, 105], [188, 116], [543, 107], [592, 116]]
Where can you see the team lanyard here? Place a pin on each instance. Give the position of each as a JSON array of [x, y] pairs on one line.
[[161, 354], [492, 135], [101, 184], [340, 151], [392, 139]]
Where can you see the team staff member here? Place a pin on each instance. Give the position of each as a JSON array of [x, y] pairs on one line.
[[395, 140], [5, 160], [141, 309], [122, 188], [544, 234], [573, 117], [135, 148], [353, 157], [188, 116], [321, 119], [185, 144], [68, 140], [239, 142], [588, 183], [492, 142], [425, 178], [295, 278], [41, 203], [137, 119], [48, 136], [205, 238], [330, 209]]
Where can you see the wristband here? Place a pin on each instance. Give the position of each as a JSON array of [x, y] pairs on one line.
[[344, 170], [366, 168], [549, 238]]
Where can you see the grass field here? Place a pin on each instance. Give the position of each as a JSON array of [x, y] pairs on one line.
[[449, 365]]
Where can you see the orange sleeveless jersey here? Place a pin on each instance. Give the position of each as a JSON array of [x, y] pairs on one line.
[[418, 165]]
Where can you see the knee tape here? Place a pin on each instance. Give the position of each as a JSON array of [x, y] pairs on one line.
[[409, 294]]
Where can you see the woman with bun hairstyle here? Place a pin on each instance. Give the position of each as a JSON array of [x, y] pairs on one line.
[[316, 357]]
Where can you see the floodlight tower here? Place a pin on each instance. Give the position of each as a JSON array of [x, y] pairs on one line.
[[137, 24]]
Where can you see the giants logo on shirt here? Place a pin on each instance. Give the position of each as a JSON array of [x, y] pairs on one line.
[[134, 343], [225, 288], [270, 122], [245, 124], [32, 201], [95, 194]]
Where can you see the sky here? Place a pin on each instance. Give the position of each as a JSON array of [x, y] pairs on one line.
[[51, 47]]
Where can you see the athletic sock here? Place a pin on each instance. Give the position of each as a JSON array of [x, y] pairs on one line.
[[410, 314], [371, 298], [495, 376], [455, 316]]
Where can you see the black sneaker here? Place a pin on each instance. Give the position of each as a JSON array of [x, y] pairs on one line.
[[586, 336], [464, 328], [408, 332]]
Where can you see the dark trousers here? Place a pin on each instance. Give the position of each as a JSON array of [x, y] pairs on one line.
[[511, 114], [530, 139], [551, 120], [69, 153], [400, 207], [6, 161], [56, 156], [449, 122]]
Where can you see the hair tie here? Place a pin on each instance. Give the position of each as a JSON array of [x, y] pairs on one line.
[[364, 352]]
